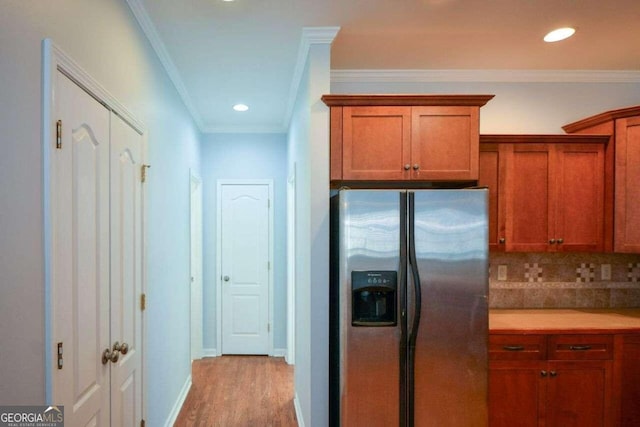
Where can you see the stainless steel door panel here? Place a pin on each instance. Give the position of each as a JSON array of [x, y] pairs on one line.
[[451, 363], [369, 356]]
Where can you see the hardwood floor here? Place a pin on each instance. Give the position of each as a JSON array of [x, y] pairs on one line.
[[238, 391]]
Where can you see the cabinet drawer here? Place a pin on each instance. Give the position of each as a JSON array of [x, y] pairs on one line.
[[580, 347], [517, 347]]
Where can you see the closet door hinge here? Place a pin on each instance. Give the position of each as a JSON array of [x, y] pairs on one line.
[[59, 134], [60, 355], [143, 302], [143, 172]]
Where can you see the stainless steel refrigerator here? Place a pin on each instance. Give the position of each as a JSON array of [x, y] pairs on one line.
[[408, 308]]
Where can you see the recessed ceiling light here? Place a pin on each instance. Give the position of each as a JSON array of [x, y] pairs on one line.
[[240, 107], [559, 34]]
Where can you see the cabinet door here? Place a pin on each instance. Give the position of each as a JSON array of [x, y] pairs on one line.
[[376, 143], [579, 178], [444, 143], [491, 174], [516, 393], [578, 394], [629, 380], [529, 212], [627, 192]]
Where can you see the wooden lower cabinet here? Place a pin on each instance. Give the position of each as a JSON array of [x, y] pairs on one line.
[[527, 388], [627, 379]]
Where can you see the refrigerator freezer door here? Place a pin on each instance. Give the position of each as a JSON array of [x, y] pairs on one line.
[[369, 355], [451, 363]]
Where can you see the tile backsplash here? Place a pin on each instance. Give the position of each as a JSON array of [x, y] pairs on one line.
[[564, 280]]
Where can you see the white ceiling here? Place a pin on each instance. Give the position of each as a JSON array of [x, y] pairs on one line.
[[221, 53]]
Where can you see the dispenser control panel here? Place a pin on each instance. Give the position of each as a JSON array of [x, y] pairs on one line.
[[374, 298]]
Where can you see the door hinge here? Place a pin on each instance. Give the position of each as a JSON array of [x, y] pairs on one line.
[[143, 302], [268, 203], [143, 172], [59, 134], [60, 355], [268, 327], [142, 423], [268, 265]]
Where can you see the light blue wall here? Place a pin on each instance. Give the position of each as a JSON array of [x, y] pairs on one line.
[[103, 37], [521, 107], [298, 155], [308, 143], [245, 156]]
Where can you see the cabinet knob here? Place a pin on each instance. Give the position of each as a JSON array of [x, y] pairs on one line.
[[560, 241], [407, 167], [552, 241], [502, 240], [416, 167], [553, 373], [543, 373]]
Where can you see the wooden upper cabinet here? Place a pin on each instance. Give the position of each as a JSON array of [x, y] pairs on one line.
[[622, 160], [491, 174], [378, 139], [546, 192], [579, 180], [444, 143], [376, 143]]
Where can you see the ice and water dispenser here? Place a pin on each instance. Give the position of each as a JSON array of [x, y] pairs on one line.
[[373, 298]]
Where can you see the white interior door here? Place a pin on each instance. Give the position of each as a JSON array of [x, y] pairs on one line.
[[96, 220], [196, 267], [126, 272], [244, 273], [80, 256]]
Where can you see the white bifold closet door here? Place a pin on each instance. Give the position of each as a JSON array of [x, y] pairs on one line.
[[96, 205]]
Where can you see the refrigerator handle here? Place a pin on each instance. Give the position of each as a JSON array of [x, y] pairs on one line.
[[417, 301], [402, 305]]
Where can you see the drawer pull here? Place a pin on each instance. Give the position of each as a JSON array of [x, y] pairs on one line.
[[579, 347], [513, 347]]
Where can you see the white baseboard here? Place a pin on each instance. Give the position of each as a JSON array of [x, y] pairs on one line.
[[209, 352], [296, 405], [279, 352], [175, 411]]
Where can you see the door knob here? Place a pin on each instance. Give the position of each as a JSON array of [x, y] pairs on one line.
[[416, 167], [407, 167], [108, 355], [226, 278], [552, 241], [560, 241], [502, 240], [122, 348]]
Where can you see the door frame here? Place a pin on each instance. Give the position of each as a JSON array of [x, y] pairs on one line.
[[218, 280], [195, 289], [291, 266], [54, 59]]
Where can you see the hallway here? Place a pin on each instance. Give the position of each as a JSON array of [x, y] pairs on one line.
[[238, 391]]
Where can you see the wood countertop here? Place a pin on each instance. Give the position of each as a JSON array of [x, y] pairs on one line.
[[528, 321]]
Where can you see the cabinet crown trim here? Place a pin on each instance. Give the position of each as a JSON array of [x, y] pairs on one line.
[[601, 118], [543, 139], [338, 100]]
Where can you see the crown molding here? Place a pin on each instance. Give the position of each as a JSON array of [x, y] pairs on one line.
[[310, 36], [497, 76], [149, 29], [243, 129]]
